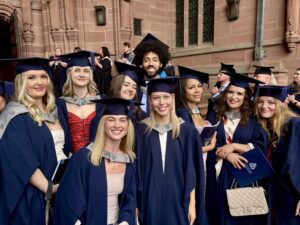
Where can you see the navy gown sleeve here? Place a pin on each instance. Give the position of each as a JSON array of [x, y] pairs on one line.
[[63, 119], [24, 148], [291, 166], [70, 200], [194, 171], [128, 197], [18, 159]]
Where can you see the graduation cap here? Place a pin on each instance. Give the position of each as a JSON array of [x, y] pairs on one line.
[[227, 68], [263, 70], [242, 81], [166, 84], [118, 106], [149, 38], [26, 64], [6, 88], [185, 72], [134, 72], [278, 92], [80, 58]]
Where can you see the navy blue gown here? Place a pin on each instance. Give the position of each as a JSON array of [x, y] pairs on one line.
[[24, 147], [63, 117], [285, 160], [217, 205], [184, 114], [163, 197], [82, 193]]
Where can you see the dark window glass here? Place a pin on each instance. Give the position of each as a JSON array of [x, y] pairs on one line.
[[137, 27], [179, 23], [208, 20], [193, 22]]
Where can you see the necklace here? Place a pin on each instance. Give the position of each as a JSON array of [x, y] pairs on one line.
[[82, 100]]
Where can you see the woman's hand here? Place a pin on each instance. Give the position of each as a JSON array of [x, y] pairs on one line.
[[237, 160], [298, 209], [192, 214], [212, 144], [225, 150], [54, 188]]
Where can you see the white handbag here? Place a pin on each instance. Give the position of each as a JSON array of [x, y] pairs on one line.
[[246, 201]]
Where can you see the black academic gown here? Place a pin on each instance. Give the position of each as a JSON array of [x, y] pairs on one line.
[[163, 198], [294, 108], [24, 147], [82, 193], [217, 205], [63, 117], [286, 186]]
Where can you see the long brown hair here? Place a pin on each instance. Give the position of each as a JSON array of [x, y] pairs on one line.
[[246, 108]]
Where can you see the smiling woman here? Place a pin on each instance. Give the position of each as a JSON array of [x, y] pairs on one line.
[[170, 171], [237, 133], [102, 175], [32, 141], [282, 127], [76, 108]]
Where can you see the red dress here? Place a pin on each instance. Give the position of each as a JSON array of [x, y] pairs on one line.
[[79, 130]]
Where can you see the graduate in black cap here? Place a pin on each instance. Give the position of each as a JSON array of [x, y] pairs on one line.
[[99, 185], [223, 79], [152, 55], [264, 74], [127, 85], [238, 133], [283, 129], [31, 143], [293, 99], [76, 108], [191, 91], [6, 91], [170, 170]]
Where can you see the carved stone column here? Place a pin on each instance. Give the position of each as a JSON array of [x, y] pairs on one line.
[[291, 35], [27, 33], [56, 31], [71, 31], [125, 21]]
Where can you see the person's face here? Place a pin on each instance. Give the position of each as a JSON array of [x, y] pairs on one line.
[[297, 77], [223, 78], [37, 82], [126, 48], [81, 76], [266, 106], [193, 91], [57, 52], [116, 127], [2, 103], [264, 78], [151, 64], [101, 52], [161, 103], [235, 97], [128, 89]]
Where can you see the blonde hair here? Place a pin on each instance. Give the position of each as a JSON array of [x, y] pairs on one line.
[[174, 120], [68, 91], [126, 145], [277, 122], [24, 98]]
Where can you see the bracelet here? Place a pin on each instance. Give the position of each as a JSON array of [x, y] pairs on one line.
[[49, 191]]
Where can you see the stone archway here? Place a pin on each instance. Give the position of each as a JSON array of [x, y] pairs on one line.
[[11, 41]]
